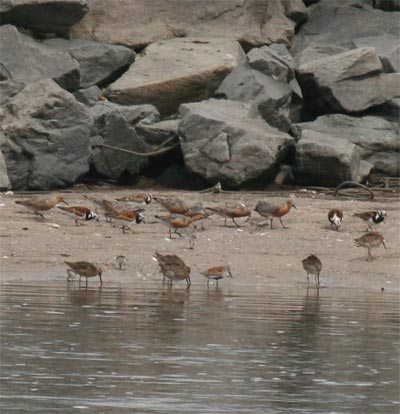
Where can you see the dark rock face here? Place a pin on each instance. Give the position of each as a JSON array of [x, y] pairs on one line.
[[377, 139], [327, 161], [4, 180], [25, 60], [43, 16], [45, 141], [228, 141], [114, 126], [97, 62]]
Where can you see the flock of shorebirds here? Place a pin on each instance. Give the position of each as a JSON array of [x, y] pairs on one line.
[[120, 212]]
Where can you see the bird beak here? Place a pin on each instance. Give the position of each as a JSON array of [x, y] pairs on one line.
[[294, 206], [63, 201], [230, 274], [384, 245]]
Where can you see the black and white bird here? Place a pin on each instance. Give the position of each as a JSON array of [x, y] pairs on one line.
[[374, 217]]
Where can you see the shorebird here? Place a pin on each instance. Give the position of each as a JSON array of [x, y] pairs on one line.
[[312, 265], [121, 261], [175, 222], [335, 217], [370, 240], [173, 268], [231, 212], [71, 275], [217, 273], [372, 217], [37, 205], [79, 213], [85, 269], [144, 198], [125, 218], [269, 210], [173, 205]]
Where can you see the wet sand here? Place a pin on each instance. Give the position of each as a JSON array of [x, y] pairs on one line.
[[35, 249]]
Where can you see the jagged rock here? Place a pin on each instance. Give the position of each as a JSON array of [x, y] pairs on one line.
[[114, 125], [43, 16], [268, 62], [9, 88], [175, 71], [228, 142], [317, 51], [98, 62], [138, 23], [89, 96], [377, 138], [4, 180], [325, 160], [46, 137], [22, 59], [350, 81], [337, 22], [271, 96], [387, 48]]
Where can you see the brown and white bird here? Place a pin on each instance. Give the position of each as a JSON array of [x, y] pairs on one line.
[[173, 268], [372, 217], [217, 273], [271, 211], [231, 212], [370, 240], [144, 198], [175, 222], [312, 265], [335, 217], [86, 269], [126, 218], [37, 205], [79, 213], [173, 205]]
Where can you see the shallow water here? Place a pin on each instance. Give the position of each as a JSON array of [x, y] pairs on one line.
[[148, 349]]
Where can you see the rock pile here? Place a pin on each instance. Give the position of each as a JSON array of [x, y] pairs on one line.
[[237, 88]]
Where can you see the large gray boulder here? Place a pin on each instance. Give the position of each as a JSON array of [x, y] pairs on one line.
[[227, 141], [22, 59], [351, 81], [338, 22], [377, 138], [45, 137], [175, 71], [114, 125], [271, 96], [43, 16], [327, 161], [98, 62], [141, 22]]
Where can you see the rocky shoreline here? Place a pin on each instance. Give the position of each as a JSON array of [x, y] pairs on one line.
[[228, 91]]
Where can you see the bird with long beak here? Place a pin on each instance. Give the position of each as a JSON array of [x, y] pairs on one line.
[[370, 240], [271, 211], [37, 205], [173, 268], [86, 269]]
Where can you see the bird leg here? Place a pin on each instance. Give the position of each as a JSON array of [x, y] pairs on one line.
[[283, 224], [179, 234], [233, 219], [225, 222], [101, 280], [39, 214]]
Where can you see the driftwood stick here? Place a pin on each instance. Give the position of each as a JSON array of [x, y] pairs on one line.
[[353, 184], [138, 154]]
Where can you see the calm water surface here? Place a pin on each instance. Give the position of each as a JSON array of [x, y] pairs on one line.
[[147, 349]]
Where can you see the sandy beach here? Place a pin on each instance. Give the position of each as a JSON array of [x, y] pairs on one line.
[[34, 249]]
